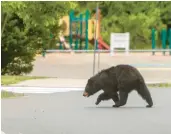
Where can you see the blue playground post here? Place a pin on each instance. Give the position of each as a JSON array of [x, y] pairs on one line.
[[153, 40], [87, 14], [60, 45], [71, 16], [81, 30], [97, 45], [170, 39], [43, 50], [43, 53], [76, 41], [164, 39]]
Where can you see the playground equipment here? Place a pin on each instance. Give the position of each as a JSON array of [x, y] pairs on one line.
[[83, 31], [170, 39], [63, 41], [165, 37], [79, 19]]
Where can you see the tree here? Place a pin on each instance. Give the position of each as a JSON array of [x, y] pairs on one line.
[[25, 27], [138, 18], [17, 52]]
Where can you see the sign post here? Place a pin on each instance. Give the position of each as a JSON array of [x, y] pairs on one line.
[[95, 41]]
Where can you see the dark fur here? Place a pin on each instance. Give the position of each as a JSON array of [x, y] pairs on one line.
[[122, 79]]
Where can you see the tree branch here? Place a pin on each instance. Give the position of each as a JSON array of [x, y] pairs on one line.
[[4, 23]]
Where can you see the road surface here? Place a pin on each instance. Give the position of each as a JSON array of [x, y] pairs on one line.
[[71, 113]]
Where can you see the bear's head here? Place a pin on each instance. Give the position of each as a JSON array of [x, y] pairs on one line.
[[95, 84]]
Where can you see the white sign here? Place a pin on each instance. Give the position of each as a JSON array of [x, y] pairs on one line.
[[119, 40]]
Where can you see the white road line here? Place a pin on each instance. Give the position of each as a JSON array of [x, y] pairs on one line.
[[39, 89]]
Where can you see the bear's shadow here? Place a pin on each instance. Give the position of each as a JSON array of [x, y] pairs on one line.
[[110, 107]]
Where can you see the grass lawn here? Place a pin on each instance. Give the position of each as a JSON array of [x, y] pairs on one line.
[[165, 85], [6, 94], [7, 80]]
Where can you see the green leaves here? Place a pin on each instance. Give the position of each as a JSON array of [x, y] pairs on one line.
[[138, 18], [38, 13], [26, 27]]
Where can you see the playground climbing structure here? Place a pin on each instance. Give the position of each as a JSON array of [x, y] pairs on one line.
[[81, 29]]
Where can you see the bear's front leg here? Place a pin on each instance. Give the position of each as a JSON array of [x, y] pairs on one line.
[[115, 97], [102, 97], [123, 99]]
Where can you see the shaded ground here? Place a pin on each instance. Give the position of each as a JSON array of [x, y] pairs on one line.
[[71, 113]]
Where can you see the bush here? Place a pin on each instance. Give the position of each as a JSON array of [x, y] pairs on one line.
[[17, 50]]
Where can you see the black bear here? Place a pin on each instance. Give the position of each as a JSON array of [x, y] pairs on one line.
[[120, 78]]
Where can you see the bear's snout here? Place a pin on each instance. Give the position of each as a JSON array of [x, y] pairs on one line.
[[85, 94]]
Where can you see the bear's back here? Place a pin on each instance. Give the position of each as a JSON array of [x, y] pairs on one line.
[[128, 72]]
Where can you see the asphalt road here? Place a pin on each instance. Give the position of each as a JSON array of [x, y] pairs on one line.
[[71, 113]]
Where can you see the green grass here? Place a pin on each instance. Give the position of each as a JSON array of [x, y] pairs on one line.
[[7, 94], [165, 85], [7, 80]]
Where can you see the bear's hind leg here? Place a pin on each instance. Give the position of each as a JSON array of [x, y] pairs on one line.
[[145, 94]]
